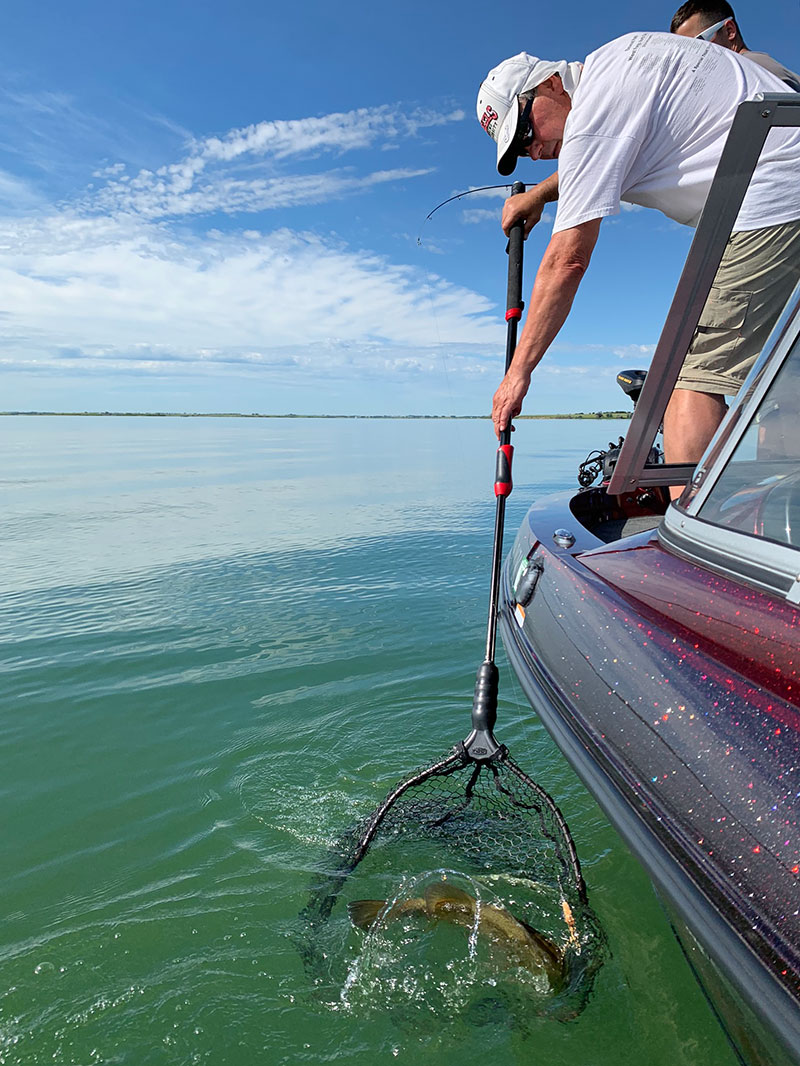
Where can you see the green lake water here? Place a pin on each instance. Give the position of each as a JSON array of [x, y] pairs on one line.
[[223, 641]]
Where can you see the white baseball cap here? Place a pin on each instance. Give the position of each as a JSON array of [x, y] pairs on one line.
[[498, 112]]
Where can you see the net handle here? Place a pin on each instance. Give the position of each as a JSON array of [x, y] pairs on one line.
[[481, 744]]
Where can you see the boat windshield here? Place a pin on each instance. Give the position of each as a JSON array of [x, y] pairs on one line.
[[758, 492]]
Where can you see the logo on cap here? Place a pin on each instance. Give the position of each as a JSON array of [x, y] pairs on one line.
[[489, 120]]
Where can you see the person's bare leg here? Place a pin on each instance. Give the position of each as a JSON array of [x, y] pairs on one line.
[[690, 421]]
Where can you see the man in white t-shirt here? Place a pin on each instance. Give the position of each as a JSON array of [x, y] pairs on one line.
[[643, 121]]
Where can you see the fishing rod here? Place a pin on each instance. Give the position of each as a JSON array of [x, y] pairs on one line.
[[460, 196]]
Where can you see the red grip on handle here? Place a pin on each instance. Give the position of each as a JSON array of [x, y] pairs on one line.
[[502, 477], [513, 312]]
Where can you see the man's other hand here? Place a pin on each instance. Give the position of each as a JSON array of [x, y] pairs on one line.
[[526, 207]]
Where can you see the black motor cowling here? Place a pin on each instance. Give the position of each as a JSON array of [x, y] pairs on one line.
[[631, 383]]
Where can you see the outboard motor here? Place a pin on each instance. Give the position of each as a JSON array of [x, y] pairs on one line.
[[631, 383]]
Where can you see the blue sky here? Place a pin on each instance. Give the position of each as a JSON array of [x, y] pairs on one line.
[[222, 207]]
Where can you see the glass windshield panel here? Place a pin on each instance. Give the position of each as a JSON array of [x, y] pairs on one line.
[[758, 492]]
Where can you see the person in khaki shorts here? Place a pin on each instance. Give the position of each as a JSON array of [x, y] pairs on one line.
[[643, 121], [755, 279]]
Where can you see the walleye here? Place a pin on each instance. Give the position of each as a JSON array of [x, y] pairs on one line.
[[520, 943]]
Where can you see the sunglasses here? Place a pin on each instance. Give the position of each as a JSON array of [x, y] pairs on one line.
[[712, 31], [523, 138]]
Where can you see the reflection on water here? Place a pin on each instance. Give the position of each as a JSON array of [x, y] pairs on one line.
[[222, 642], [86, 499]]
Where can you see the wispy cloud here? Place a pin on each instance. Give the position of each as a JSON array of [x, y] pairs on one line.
[[223, 173], [127, 280], [490, 192], [116, 288], [634, 352], [55, 141], [341, 132], [477, 215], [181, 192], [18, 197]]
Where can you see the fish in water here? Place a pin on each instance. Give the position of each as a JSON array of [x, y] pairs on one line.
[[519, 942]]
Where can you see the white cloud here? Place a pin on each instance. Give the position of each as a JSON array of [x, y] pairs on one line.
[[53, 139], [217, 174], [552, 369], [117, 283], [489, 192], [477, 215], [16, 196], [632, 352], [341, 132], [154, 196], [107, 289]]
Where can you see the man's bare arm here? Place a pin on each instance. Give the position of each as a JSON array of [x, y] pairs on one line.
[[560, 272], [529, 205]]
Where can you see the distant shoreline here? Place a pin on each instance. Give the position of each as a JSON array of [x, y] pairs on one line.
[[235, 414]]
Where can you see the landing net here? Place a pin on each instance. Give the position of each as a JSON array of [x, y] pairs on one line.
[[488, 820]]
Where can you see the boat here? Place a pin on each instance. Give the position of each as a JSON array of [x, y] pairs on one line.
[[659, 643]]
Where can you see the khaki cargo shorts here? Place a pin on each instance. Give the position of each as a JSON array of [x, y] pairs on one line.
[[756, 277]]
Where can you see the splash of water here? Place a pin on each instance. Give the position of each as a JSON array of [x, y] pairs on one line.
[[425, 972]]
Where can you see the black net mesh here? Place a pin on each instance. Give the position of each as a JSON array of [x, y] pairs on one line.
[[505, 838]]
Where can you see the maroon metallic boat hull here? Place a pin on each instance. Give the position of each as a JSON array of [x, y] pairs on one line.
[[674, 692]]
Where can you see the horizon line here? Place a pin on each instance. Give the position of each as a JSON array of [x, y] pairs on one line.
[[254, 414]]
